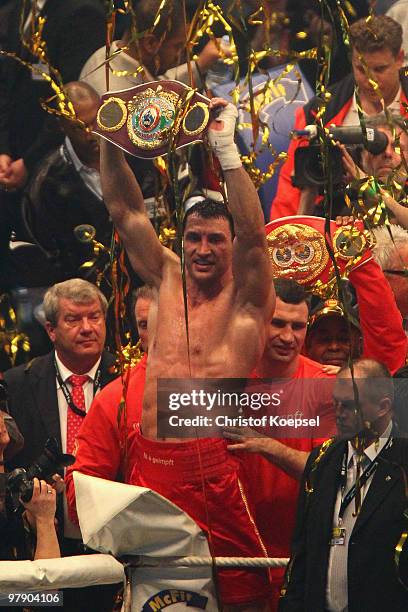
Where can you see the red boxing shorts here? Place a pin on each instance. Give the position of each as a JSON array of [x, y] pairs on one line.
[[179, 471]]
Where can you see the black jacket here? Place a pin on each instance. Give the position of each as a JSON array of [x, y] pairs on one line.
[[372, 578], [73, 30], [56, 201], [33, 403]]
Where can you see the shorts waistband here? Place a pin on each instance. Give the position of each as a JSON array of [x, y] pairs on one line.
[[179, 461]]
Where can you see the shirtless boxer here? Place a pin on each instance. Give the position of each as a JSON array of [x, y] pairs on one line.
[[228, 284], [230, 299]]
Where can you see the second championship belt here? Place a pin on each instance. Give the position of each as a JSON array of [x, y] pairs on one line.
[[300, 249]]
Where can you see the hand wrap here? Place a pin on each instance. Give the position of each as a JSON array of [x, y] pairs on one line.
[[222, 141]]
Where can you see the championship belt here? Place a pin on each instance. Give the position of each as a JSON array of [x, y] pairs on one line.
[[297, 250], [149, 119]]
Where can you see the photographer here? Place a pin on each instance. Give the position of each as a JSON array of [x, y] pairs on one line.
[[377, 78], [388, 168], [39, 511], [353, 164], [12, 540]]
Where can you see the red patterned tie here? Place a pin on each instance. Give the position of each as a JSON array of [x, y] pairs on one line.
[[74, 421]]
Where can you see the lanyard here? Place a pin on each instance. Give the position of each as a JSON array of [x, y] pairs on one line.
[[67, 394], [369, 471]]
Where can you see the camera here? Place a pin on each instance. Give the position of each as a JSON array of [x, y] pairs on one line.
[[309, 164], [309, 168], [20, 481]]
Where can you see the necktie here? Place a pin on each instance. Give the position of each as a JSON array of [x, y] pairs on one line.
[[74, 421]]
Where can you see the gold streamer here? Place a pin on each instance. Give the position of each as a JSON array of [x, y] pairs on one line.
[[13, 343]]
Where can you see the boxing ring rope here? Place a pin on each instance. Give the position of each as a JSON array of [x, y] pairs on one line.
[[88, 570], [145, 561]]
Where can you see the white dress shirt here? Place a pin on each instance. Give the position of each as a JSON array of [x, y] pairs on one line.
[[70, 529], [335, 582], [352, 117], [90, 176]]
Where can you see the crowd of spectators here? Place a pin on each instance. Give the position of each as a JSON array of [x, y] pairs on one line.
[[64, 194]]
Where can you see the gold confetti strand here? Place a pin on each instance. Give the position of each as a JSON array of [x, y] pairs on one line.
[[404, 534], [110, 30], [28, 42], [120, 73], [195, 20], [120, 284], [182, 107], [258, 100], [15, 344], [328, 213], [188, 48], [35, 44], [120, 288], [267, 20], [257, 18], [158, 14], [135, 36], [344, 26], [254, 109], [167, 235], [65, 107], [207, 16], [257, 56], [258, 176], [323, 57], [350, 9], [38, 48], [99, 261], [211, 13], [132, 353], [252, 112]]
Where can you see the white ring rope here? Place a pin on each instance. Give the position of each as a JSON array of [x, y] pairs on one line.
[[145, 561]]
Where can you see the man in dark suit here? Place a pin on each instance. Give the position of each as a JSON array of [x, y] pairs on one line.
[[50, 396], [351, 507], [65, 189], [72, 31]]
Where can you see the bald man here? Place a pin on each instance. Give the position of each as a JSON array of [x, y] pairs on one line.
[[66, 190]]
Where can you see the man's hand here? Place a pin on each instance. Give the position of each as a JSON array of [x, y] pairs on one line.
[[209, 55], [42, 505], [15, 176], [4, 437], [40, 513], [244, 438], [344, 220], [353, 172], [58, 483], [307, 202], [330, 369], [5, 162], [291, 460], [221, 134]]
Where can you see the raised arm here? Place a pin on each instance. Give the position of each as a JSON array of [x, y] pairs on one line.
[[125, 203], [251, 266]]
